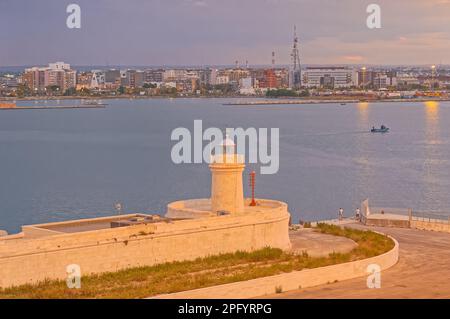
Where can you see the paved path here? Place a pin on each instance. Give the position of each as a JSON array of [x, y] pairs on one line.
[[317, 244], [423, 271]]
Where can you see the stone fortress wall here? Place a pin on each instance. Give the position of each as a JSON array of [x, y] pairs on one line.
[[40, 254]]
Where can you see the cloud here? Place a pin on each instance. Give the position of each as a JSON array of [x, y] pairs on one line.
[[353, 58]]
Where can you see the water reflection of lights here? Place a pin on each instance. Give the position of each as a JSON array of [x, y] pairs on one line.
[[432, 110], [432, 142], [363, 113]]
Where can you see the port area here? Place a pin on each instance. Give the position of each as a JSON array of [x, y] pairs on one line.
[[289, 101], [325, 101], [56, 107]]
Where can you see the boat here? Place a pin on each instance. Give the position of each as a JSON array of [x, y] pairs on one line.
[[382, 129], [343, 104]]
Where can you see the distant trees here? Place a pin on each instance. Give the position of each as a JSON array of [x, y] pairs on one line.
[[53, 89], [226, 88], [121, 90], [168, 91], [304, 93], [23, 90], [70, 91], [149, 86], [85, 91]]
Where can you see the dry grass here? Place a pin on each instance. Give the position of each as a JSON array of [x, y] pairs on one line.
[[203, 272]]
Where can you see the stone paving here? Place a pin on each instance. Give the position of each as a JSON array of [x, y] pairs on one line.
[[423, 270], [317, 244]]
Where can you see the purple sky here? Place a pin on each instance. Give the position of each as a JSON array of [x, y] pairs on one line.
[[199, 32]]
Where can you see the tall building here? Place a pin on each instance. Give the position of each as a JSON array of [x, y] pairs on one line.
[[135, 78], [174, 75], [112, 76], [152, 76], [269, 80], [365, 77], [35, 78], [56, 74]]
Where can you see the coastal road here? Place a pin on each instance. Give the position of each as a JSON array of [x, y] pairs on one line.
[[423, 271]]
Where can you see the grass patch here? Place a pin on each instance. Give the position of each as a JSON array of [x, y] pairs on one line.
[[171, 277]]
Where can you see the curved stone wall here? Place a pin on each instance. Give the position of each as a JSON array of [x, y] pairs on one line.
[[290, 281]]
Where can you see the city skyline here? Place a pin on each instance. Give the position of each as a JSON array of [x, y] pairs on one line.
[[162, 33]]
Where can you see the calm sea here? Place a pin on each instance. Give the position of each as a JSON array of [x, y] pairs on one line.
[[69, 164]]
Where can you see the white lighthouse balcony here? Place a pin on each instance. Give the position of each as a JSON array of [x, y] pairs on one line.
[[227, 159]]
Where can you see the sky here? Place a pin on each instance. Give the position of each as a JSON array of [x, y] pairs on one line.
[[219, 32]]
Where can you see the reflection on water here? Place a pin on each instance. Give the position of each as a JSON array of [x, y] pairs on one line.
[[431, 152], [363, 165], [363, 114], [432, 122]]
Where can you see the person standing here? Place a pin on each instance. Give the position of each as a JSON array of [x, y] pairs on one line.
[[341, 213], [358, 214]]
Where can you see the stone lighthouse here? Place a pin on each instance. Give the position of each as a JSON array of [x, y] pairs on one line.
[[227, 194]]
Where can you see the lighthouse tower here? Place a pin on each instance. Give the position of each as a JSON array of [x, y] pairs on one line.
[[227, 194]]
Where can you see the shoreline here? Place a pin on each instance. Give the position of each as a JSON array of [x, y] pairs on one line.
[[260, 101], [317, 101], [57, 107]]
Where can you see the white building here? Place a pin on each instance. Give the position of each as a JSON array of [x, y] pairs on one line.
[[328, 77], [174, 75], [246, 83], [213, 77]]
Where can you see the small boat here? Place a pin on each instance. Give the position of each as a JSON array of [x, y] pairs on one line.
[[382, 129], [343, 104]]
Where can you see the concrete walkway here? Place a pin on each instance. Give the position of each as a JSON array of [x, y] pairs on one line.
[[317, 244], [423, 271]]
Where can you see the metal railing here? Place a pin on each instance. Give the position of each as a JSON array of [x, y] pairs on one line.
[[436, 217], [431, 217]]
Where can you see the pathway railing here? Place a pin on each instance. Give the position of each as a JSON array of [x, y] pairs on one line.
[[431, 217], [414, 215]]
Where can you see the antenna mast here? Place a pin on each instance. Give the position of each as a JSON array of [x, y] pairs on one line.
[[296, 71]]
